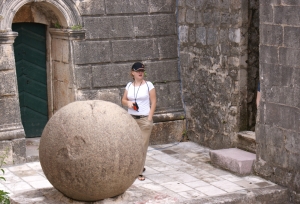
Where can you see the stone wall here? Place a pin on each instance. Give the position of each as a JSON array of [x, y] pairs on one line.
[[213, 60], [278, 128], [119, 33], [11, 129]]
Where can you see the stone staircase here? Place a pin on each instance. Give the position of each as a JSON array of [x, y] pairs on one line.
[[240, 162], [247, 141]]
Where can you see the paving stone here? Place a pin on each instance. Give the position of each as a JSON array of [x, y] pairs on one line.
[[197, 183], [192, 194], [181, 182], [227, 186], [176, 186], [210, 190]]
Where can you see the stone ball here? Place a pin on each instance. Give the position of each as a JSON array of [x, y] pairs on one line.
[[91, 150]]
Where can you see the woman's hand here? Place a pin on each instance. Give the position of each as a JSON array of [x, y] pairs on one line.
[[130, 104], [149, 118]]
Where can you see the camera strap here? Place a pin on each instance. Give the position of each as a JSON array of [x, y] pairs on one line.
[[135, 95]]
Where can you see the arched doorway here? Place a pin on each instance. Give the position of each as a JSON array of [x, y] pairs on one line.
[[30, 56], [49, 13]]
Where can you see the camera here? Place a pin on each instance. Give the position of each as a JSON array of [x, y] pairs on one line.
[[135, 107]]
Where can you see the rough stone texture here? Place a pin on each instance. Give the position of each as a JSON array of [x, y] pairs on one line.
[[94, 63], [14, 150], [234, 160], [85, 137], [274, 195], [247, 141], [277, 132], [167, 132], [213, 59]]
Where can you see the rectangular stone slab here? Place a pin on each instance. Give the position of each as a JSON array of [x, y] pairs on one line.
[[233, 159]]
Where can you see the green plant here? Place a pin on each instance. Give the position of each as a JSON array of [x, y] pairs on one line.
[[4, 198], [184, 136], [76, 27], [57, 25]]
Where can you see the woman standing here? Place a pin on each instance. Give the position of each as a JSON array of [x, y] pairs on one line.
[[140, 98]]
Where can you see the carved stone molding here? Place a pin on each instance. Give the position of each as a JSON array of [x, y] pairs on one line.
[[8, 38], [66, 11]]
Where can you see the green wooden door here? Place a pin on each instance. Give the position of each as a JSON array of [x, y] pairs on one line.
[[30, 55]]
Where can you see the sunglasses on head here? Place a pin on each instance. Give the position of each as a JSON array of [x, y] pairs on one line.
[[139, 70]]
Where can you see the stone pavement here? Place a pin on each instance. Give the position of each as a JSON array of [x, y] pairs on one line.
[[175, 173]]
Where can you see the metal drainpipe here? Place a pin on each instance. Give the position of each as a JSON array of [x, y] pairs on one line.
[[179, 70]]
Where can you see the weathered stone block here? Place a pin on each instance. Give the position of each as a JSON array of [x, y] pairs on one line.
[[106, 75], [7, 149], [201, 35], [83, 76], [167, 132], [61, 72], [268, 54], [129, 50], [236, 4], [92, 52], [291, 37], [7, 59], [183, 34], [19, 151], [280, 16], [108, 27], [289, 118], [8, 85], [271, 34], [272, 114], [289, 57], [121, 6], [111, 95], [162, 6], [190, 3], [60, 50], [167, 47], [277, 138], [207, 18], [9, 111], [266, 13], [290, 2], [234, 160], [162, 71], [169, 96], [212, 36], [292, 143], [199, 18], [235, 35], [190, 16], [155, 25], [181, 15], [192, 35], [225, 5], [88, 7]]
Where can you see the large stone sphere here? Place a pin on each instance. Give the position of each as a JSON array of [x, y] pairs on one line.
[[91, 150]]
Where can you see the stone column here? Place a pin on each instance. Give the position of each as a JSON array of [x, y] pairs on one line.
[[12, 135], [62, 67]]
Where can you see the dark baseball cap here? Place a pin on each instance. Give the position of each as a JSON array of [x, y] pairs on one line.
[[138, 66]]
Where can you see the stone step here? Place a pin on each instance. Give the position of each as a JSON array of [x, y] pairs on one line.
[[235, 160], [32, 149], [247, 141]]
